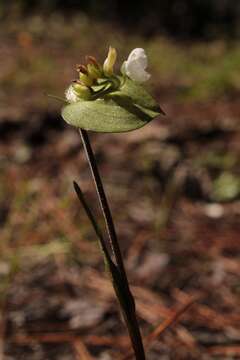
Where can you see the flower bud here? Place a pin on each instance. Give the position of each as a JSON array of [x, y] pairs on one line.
[[82, 68], [84, 76], [71, 95], [82, 91], [135, 66], [92, 60], [93, 71], [85, 79], [110, 61], [75, 92]]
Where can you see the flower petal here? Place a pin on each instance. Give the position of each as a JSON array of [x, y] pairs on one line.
[[139, 55], [134, 67], [136, 72]]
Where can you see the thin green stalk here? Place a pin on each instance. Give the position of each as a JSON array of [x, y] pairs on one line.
[[116, 267]]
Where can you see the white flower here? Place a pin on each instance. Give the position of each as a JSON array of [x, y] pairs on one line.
[[71, 94], [135, 66]]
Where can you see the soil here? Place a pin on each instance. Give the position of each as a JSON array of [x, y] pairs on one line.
[[180, 242]]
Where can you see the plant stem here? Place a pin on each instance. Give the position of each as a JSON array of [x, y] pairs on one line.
[[119, 277]]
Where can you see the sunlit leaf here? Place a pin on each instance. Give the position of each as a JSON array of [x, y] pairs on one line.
[[138, 95], [129, 108]]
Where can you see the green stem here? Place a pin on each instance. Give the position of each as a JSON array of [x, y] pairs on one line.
[[117, 269]]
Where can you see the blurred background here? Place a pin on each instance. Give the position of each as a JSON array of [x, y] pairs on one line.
[[174, 186]]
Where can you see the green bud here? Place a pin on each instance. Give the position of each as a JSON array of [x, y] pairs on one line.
[[93, 71], [85, 79], [110, 61], [82, 91]]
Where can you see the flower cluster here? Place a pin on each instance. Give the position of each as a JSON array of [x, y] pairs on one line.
[[95, 80]]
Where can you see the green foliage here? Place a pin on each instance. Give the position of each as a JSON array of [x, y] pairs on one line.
[[226, 187], [126, 109], [198, 72], [196, 18]]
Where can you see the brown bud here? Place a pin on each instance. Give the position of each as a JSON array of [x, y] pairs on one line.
[[82, 68], [77, 81], [92, 60]]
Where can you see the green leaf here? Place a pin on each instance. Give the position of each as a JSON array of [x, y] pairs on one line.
[[129, 108], [138, 95], [226, 187]]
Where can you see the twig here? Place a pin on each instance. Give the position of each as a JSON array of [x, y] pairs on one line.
[[162, 327], [81, 350], [69, 337], [228, 350], [78, 345], [168, 322]]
